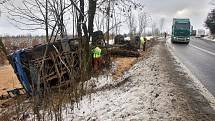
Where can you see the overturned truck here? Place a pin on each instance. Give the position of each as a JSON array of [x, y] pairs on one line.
[[52, 65]]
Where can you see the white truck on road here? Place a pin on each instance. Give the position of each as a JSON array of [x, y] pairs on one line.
[[200, 33]]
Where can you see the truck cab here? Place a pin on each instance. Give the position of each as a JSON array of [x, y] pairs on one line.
[[200, 33], [181, 30]]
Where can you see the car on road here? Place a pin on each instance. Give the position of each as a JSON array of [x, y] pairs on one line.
[[181, 30]]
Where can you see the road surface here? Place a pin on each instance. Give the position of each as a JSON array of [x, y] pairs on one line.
[[199, 57]]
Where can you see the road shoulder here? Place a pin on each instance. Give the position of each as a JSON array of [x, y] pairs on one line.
[[201, 88], [200, 101]]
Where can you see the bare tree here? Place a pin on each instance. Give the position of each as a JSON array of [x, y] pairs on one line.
[[153, 26], [3, 1], [162, 21], [131, 23], [92, 12], [143, 22], [39, 15], [117, 12], [51, 16]]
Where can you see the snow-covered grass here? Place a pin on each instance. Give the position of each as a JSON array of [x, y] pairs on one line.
[[149, 37], [131, 101]]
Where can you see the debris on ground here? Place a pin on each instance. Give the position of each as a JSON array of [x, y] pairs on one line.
[[123, 64], [125, 53]]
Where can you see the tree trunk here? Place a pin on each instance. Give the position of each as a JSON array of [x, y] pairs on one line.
[[46, 22], [92, 10]]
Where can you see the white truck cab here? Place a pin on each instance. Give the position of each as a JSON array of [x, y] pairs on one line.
[[200, 33]]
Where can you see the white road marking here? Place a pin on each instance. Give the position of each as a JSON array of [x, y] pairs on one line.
[[209, 52]]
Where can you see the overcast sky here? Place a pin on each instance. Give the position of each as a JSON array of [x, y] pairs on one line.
[[196, 10]]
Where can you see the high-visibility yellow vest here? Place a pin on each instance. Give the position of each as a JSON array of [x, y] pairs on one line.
[[142, 40], [97, 52]]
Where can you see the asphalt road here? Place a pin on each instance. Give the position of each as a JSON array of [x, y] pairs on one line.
[[199, 58]]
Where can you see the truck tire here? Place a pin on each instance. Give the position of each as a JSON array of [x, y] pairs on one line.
[[172, 41]]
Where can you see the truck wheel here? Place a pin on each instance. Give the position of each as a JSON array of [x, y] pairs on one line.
[[172, 41]]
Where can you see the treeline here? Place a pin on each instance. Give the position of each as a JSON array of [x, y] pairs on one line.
[[18, 42], [13, 43], [210, 21]]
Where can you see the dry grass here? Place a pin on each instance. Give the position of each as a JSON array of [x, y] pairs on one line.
[[123, 64], [8, 79]]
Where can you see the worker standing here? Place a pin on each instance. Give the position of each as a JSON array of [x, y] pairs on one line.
[[96, 58], [143, 43]]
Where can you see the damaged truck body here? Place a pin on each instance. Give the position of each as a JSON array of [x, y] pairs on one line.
[[58, 67]]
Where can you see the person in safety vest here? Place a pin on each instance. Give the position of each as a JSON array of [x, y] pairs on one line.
[[143, 43], [97, 54]]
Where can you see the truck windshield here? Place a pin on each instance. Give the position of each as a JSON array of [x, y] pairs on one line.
[[182, 26]]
